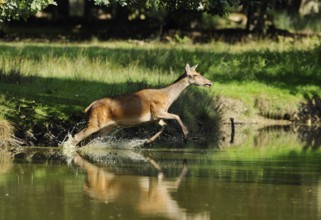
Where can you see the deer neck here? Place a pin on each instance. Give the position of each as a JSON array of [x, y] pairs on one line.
[[174, 90]]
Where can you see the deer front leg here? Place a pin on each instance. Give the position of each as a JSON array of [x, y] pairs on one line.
[[166, 115], [161, 123], [157, 166]]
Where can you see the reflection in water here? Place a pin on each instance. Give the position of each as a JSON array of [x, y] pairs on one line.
[[308, 136], [149, 196], [6, 158]]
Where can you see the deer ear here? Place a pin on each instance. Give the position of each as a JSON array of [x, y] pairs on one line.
[[187, 69], [194, 67]]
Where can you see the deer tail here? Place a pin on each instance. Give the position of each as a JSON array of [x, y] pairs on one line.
[[87, 109]]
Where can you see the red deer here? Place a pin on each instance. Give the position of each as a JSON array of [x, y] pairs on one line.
[[148, 105]]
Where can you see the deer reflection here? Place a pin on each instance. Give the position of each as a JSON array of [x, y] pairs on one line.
[[149, 196]]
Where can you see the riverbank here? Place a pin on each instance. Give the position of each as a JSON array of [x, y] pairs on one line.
[[45, 87]]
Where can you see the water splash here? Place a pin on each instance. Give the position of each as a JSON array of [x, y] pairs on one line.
[[111, 142], [111, 150], [69, 149]]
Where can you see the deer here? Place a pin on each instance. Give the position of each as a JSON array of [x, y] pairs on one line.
[[147, 105]]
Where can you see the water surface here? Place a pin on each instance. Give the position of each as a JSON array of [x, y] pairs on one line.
[[269, 175]]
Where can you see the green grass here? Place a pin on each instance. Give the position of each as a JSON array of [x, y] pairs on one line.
[[56, 81]]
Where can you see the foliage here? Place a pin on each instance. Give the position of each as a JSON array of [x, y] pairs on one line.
[[256, 11], [15, 9], [211, 6], [109, 2]]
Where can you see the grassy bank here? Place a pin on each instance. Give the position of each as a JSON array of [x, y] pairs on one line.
[[44, 87]]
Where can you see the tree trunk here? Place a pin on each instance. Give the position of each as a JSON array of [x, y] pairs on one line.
[[2, 34], [259, 27], [88, 12], [256, 17], [63, 9], [250, 17]]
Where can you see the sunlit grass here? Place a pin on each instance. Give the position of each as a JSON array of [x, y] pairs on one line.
[[271, 77]]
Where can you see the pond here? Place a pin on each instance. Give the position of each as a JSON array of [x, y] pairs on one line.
[[271, 173]]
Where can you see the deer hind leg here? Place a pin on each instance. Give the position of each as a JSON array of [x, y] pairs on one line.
[[85, 133], [152, 139], [95, 123], [90, 129], [104, 131]]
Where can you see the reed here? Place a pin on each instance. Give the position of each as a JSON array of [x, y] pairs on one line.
[[6, 136]]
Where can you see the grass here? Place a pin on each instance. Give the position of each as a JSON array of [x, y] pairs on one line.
[[41, 83]]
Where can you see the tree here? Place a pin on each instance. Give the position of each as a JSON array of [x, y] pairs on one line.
[[256, 10], [16, 9]]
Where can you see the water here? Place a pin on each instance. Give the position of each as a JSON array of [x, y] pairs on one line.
[[264, 174]]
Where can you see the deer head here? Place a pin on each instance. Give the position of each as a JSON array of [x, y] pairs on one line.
[[196, 78]]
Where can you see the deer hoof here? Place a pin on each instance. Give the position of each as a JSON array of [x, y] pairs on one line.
[[186, 133], [148, 141], [185, 139]]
